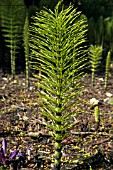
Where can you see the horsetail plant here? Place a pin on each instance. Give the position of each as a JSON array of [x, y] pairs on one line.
[[95, 55], [97, 116], [53, 38], [26, 47], [108, 60], [11, 21]]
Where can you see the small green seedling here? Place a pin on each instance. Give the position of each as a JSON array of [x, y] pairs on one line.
[[108, 60], [96, 114], [97, 117], [95, 55]]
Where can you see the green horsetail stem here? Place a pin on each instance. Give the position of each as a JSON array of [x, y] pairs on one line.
[[26, 48], [57, 154], [108, 59], [12, 52], [93, 77], [97, 116]]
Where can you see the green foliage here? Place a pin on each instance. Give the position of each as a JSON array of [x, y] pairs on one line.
[[100, 31], [50, 4], [108, 60], [95, 55], [108, 26], [58, 50], [111, 102], [91, 30], [12, 16], [99, 37], [26, 47], [84, 17], [96, 30], [96, 114], [97, 117], [97, 8]]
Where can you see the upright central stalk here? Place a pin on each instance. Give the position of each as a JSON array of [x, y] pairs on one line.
[[58, 137]]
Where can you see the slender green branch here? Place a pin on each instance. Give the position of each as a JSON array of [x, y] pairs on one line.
[[108, 60]]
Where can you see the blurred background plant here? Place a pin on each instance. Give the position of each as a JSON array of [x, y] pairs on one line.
[[12, 24], [26, 47], [107, 69], [12, 17], [95, 56]]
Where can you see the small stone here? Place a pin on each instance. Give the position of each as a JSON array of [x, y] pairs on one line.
[[31, 88], [101, 79], [15, 81], [108, 94], [25, 118], [3, 87], [94, 101], [110, 101], [4, 78], [106, 100]]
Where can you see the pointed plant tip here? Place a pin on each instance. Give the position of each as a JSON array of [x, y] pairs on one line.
[[13, 154], [21, 155], [1, 155], [4, 146], [59, 3]]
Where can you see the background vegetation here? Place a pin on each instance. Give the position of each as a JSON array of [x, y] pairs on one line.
[[98, 14], [51, 46]]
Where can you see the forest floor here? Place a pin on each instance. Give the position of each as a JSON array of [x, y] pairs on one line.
[[88, 146]]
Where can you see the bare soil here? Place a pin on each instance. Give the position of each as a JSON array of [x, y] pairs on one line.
[[89, 144]]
